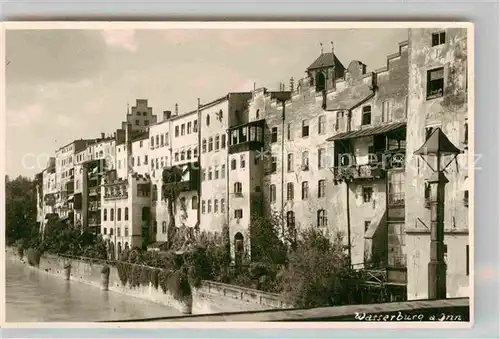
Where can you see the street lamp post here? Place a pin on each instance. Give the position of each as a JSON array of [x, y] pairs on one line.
[[436, 147]]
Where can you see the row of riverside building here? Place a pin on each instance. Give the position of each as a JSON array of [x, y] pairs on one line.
[[334, 152]]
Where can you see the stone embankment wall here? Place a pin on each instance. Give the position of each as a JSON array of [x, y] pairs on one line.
[[210, 297]]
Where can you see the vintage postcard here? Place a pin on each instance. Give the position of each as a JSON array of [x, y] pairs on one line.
[[222, 174]]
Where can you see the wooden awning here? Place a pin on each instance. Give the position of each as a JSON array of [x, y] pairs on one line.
[[365, 132]]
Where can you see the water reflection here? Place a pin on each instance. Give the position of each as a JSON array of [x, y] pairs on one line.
[[34, 296]]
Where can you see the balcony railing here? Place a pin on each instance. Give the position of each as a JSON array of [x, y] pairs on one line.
[[94, 205], [396, 199], [369, 171], [94, 191], [116, 196]]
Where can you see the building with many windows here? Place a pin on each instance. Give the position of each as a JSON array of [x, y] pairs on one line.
[[334, 152]]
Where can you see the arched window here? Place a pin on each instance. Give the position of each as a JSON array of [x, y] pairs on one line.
[[322, 218], [367, 115], [320, 82], [194, 203], [126, 213], [272, 193], [208, 119], [105, 215], [237, 187], [217, 142], [112, 215], [155, 193], [119, 214], [233, 164], [210, 144], [257, 114], [238, 248]]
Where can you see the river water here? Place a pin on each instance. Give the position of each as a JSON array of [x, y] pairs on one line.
[[35, 296]]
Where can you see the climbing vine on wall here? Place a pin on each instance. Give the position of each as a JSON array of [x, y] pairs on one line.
[[171, 188]]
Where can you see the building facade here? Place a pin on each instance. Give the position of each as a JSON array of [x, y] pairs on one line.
[[334, 152]]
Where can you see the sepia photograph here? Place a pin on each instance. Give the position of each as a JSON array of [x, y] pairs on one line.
[[238, 172]]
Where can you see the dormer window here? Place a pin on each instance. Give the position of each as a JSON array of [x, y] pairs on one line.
[[320, 82], [367, 115]]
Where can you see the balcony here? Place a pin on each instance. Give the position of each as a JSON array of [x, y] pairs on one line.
[[94, 206], [358, 172], [94, 222], [247, 137], [93, 191], [116, 195]]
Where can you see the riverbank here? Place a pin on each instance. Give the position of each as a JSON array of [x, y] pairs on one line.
[[209, 298]]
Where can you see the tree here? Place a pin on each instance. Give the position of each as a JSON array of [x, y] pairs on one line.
[[318, 272], [171, 188], [20, 209], [267, 245]]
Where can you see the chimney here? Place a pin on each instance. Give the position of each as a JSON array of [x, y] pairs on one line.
[[291, 84], [321, 45], [166, 115], [103, 135], [176, 109]]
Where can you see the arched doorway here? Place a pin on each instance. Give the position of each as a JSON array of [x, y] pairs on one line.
[[320, 82], [238, 248]]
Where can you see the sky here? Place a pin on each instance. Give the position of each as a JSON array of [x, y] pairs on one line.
[[63, 85]]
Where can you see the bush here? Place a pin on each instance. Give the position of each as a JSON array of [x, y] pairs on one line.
[[33, 257]]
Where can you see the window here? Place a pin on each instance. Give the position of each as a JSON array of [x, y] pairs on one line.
[[272, 193], [321, 158], [138, 160], [256, 159], [195, 126], [233, 164], [217, 142], [467, 259], [166, 139], [274, 164], [290, 220], [210, 144], [164, 227], [322, 218], [289, 191], [146, 122], [209, 206], [367, 193], [216, 206], [321, 124], [195, 152], [126, 231], [220, 115], [203, 206], [204, 146], [189, 127], [222, 205], [162, 141], [274, 134], [112, 215], [435, 83], [289, 132], [386, 111], [242, 161], [105, 231], [118, 231], [367, 225], [133, 161], [137, 122], [183, 129], [183, 155], [176, 156], [216, 172], [157, 138], [321, 188], [126, 213], [204, 175], [176, 131], [367, 115], [138, 114], [238, 188], [305, 128], [289, 162], [105, 215], [110, 231], [223, 141], [188, 154], [438, 38], [234, 137], [223, 171], [238, 214], [210, 173], [155, 193], [119, 214], [466, 198], [305, 161], [305, 190], [208, 120], [466, 135], [257, 114], [146, 159]]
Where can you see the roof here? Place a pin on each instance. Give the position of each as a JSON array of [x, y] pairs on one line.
[[368, 131], [325, 60], [437, 142], [140, 136]]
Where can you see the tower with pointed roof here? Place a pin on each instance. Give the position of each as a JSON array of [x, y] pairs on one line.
[[325, 70]]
